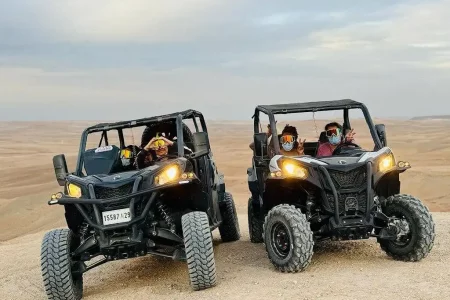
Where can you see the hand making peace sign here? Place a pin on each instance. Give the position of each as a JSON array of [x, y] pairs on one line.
[[349, 137], [301, 148]]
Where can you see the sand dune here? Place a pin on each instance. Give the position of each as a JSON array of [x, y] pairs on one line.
[[27, 180]]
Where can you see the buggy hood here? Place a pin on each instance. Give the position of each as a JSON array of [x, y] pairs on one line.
[[331, 160], [123, 177]]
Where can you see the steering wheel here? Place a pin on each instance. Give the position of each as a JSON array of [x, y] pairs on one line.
[[345, 144]]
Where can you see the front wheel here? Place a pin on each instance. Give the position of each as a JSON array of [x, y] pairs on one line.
[[199, 250], [56, 266], [414, 226], [288, 238]]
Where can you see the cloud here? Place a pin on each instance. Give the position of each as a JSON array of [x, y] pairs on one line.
[[77, 59], [113, 21], [411, 33], [278, 18]]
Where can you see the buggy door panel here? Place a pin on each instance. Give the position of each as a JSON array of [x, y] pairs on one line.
[[207, 178], [215, 184], [208, 172], [262, 170]]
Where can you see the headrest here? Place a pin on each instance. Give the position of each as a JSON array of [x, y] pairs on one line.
[[323, 137], [102, 160]]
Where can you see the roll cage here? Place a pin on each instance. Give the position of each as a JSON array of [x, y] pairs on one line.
[[178, 117], [344, 104]]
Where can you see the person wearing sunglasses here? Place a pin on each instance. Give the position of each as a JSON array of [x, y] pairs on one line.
[[290, 146], [334, 134], [288, 142], [157, 149]]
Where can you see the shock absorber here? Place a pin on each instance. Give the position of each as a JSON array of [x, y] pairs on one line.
[[165, 213], [84, 227]]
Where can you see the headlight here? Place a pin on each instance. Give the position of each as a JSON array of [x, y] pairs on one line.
[[386, 163], [74, 190], [291, 169], [172, 173]]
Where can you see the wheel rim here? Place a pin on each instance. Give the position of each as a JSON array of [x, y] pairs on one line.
[[280, 240], [404, 233]]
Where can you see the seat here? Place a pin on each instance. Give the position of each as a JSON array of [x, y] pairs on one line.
[[323, 137], [102, 160], [310, 148]]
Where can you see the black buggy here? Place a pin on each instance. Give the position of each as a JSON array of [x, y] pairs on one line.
[[116, 211], [352, 195]]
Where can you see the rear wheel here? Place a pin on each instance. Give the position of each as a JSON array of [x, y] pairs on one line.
[[288, 238], [199, 250], [56, 266], [229, 229], [255, 225], [414, 227]]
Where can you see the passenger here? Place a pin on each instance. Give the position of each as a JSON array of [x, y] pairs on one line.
[[334, 134], [157, 149], [290, 146], [288, 142]]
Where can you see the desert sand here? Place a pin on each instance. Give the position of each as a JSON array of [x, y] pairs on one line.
[[349, 270]]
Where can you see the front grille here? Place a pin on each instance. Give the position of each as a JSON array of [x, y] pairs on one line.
[[102, 192], [354, 201], [350, 179]]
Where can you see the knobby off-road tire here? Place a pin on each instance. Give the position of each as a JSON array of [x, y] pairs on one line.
[[299, 252], [229, 229], [421, 226], [199, 250], [59, 282], [255, 226]]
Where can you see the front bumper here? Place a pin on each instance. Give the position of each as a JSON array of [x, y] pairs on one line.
[[337, 198], [148, 196]]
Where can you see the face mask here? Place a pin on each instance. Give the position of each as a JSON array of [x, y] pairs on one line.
[[287, 146], [334, 140], [125, 161]]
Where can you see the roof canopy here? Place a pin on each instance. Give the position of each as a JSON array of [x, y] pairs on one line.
[[309, 106], [144, 121]]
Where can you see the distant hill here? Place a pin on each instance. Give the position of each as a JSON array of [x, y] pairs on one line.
[[437, 117]]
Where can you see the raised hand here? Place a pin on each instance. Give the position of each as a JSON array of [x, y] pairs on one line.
[[269, 130], [166, 140], [147, 147], [349, 137], [301, 148]]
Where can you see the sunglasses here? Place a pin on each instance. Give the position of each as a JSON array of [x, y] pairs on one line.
[[158, 144], [126, 153], [287, 139], [334, 131]]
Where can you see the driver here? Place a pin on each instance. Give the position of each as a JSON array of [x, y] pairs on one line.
[[334, 134]]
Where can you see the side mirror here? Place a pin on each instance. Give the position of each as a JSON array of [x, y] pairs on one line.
[[60, 166], [201, 142], [381, 131], [260, 141]]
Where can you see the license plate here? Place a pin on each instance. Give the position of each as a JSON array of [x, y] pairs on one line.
[[116, 216]]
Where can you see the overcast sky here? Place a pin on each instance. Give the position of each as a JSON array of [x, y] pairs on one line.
[[115, 59]]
